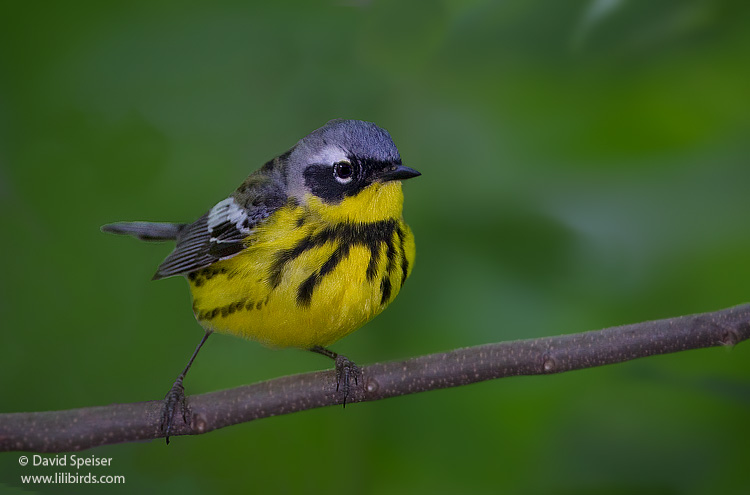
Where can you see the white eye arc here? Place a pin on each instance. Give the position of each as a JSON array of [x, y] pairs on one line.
[[343, 171]]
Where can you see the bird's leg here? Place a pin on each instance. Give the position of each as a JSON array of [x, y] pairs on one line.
[[176, 395], [345, 370]]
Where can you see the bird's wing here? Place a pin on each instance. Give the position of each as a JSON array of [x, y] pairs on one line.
[[217, 235], [221, 232]]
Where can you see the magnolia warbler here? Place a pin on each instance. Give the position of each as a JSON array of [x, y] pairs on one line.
[[309, 248]]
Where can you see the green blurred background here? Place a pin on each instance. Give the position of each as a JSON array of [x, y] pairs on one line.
[[585, 164]]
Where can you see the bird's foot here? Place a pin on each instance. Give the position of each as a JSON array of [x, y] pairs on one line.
[[345, 371], [174, 399]]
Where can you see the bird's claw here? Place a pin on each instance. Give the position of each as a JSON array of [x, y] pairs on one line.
[[175, 398], [345, 371]]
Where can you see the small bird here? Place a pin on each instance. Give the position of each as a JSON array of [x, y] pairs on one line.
[[306, 250]]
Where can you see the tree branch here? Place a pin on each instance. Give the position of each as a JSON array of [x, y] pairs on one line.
[[78, 429]]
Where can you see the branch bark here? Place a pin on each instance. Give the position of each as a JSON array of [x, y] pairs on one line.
[[78, 429]]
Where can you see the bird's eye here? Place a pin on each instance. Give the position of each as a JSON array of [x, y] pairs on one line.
[[343, 171]]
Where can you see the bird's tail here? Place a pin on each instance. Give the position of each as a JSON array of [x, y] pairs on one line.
[[146, 231]]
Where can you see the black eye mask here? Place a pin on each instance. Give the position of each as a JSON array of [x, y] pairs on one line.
[[332, 183]]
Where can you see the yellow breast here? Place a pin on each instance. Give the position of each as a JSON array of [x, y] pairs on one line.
[[312, 273]]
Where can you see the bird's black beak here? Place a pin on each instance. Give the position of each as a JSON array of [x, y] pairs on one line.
[[398, 172]]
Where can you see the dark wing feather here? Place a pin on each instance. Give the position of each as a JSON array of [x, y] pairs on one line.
[[221, 233], [190, 253], [217, 235]]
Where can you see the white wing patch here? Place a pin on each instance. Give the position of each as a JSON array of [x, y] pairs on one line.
[[227, 211], [228, 226]]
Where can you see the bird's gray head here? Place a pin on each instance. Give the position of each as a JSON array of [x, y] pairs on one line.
[[341, 159]]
